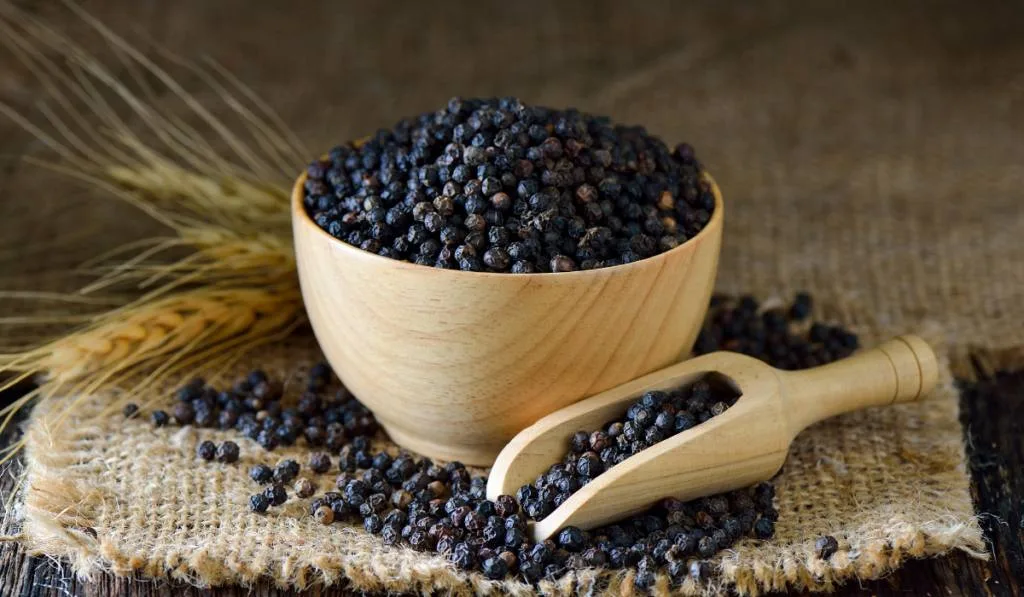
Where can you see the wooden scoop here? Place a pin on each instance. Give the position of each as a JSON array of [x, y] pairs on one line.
[[742, 446]]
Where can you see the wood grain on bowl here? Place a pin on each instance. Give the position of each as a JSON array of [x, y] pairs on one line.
[[455, 363]]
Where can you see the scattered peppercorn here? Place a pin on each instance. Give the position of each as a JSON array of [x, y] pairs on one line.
[[764, 528], [495, 568], [183, 413], [286, 471], [261, 473], [253, 406], [644, 579], [319, 462], [276, 494], [259, 503], [770, 334], [801, 306], [159, 418], [304, 488], [826, 546], [206, 450], [496, 185], [130, 410], [324, 515], [571, 539], [228, 452]]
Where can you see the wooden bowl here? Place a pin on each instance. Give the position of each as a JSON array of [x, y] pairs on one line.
[[454, 364]]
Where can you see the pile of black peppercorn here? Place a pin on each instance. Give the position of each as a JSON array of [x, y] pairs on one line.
[[496, 185], [253, 407], [443, 508], [654, 417], [741, 325]]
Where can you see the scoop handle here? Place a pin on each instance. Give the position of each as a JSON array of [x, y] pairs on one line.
[[901, 370]]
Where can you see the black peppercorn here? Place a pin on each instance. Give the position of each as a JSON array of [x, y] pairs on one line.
[[630, 431], [497, 259], [319, 462], [130, 410], [276, 494], [665, 421], [304, 488], [183, 413], [228, 452], [571, 539], [261, 473], [206, 450], [643, 417], [495, 568], [589, 465], [204, 417], [580, 442], [474, 160], [259, 503], [191, 390], [764, 528], [644, 579], [683, 421], [506, 506], [653, 436], [707, 546], [717, 505], [801, 306], [286, 471], [486, 509], [373, 524], [463, 557], [159, 418], [826, 546], [267, 439], [267, 390]]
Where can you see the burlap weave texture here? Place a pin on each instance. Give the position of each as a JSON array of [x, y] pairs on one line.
[[120, 495]]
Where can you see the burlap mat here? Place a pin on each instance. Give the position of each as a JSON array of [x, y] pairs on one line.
[[118, 495], [866, 153]]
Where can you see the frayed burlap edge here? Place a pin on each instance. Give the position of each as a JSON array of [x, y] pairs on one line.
[[67, 515]]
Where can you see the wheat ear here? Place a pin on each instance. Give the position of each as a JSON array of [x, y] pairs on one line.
[[154, 315]]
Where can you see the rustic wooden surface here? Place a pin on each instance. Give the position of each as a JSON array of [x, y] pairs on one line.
[[985, 37]]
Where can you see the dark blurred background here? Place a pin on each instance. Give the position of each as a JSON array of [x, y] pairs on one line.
[[797, 107]]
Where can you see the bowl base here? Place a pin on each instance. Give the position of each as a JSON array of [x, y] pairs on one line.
[[469, 455]]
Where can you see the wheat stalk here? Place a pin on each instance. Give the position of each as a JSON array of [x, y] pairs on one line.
[[124, 340], [156, 314], [137, 350], [220, 199], [218, 257], [245, 187]]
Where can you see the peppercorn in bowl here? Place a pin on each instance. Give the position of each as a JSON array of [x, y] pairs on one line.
[[476, 268]]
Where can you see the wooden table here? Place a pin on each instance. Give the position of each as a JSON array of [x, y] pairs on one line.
[[237, 33]]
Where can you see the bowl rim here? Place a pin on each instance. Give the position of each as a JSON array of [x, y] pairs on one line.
[[300, 217]]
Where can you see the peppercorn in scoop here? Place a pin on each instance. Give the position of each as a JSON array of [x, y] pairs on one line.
[[497, 185], [653, 418]]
